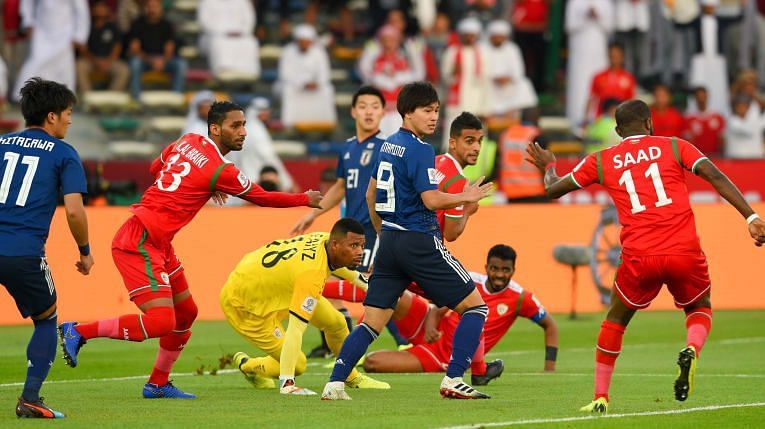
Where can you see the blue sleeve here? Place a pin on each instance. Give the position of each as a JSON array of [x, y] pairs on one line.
[[73, 174], [340, 171], [424, 175]]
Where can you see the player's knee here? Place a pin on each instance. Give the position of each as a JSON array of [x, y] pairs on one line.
[[372, 363], [186, 312], [301, 364], [158, 321]]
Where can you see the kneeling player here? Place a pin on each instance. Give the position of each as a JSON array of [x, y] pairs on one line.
[[285, 279], [432, 335]]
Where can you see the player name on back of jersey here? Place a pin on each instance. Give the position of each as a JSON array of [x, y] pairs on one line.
[[28, 142], [192, 154], [393, 149], [645, 154]]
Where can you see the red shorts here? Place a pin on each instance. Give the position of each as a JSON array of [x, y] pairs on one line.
[[433, 357], [145, 268], [639, 279]]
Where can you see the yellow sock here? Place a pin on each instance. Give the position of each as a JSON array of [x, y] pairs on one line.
[[264, 366]]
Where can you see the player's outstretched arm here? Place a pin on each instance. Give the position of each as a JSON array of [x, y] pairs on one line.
[[78, 226], [332, 198], [371, 200], [473, 193], [551, 341], [709, 172], [544, 160]]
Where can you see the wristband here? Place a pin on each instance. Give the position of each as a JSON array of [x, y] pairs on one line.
[[752, 218], [85, 249], [549, 164], [551, 353]]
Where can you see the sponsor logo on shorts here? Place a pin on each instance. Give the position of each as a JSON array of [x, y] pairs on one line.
[[309, 304], [165, 277], [502, 309]]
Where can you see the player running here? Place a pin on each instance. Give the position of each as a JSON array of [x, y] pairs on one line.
[[433, 336], [188, 172], [38, 164], [644, 175], [284, 280], [402, 199]]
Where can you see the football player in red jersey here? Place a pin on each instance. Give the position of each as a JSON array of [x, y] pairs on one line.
[[645, 177], [189, 171], [432, 333]]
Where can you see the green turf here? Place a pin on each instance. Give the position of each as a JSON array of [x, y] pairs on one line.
[[643, 383]]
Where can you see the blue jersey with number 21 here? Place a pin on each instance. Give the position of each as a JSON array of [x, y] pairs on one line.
[[405, 169], [34, 166]]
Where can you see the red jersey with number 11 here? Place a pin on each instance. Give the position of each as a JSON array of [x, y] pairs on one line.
[[645, 176], [188, 171]]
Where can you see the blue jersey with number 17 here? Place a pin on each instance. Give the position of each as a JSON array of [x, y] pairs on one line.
[[34, 166], [405, 169]]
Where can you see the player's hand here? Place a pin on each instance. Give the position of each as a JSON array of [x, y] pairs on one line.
[[219, 198], [475, 192], [538, 156], [303, 224], [84, 264], [757, 231], [314, 199], [431, 333]]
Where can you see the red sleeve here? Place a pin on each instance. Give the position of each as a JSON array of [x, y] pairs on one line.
[[586, 172], [455, 185], [688, 155], [633, 85], [157, 164], [233, 182], [531, 308]]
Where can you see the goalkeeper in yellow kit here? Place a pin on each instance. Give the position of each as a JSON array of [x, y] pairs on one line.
[[284, 279]]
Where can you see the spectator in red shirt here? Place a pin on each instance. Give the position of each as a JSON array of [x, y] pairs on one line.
[[612, 83], [704, 128], [667, 121]]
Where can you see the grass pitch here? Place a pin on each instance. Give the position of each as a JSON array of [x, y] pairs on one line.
[[104, 391]]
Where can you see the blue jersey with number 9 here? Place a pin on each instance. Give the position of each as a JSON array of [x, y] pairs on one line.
[[405, 169], [34, 166]]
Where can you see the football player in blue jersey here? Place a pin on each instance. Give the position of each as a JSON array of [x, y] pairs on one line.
[[402, 198], [354, 169], [36, 166]]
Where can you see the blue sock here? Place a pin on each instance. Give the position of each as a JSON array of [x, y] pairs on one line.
[[41, 352], [353, 349], [467, 336], [393, 329]]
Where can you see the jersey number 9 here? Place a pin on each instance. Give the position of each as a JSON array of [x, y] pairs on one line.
[[386, 185]]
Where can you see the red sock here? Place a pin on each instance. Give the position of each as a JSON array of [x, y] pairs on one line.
[[698, 322], [341, 289], [172, 344], [156, 322], [608, 349], [478, 365]]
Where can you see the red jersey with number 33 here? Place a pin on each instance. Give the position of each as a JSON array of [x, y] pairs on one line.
[[645, 176], [188, 171]]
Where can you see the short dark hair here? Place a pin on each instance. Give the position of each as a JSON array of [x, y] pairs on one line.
[[465, 121], [631, 112], [268, 169], [368, 90], [616, 45], [219, 110], [40, 97], [503, 252], [345, 225], [414, 95]]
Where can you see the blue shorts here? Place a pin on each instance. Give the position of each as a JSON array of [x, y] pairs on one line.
[[406, 256], [370, 248], [30, 283]]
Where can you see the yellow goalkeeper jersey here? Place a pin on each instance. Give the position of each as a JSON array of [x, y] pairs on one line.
[[284, 275]]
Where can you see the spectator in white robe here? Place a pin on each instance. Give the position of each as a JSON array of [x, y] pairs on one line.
[[56, 27], [465, 72], [258, 150], [633, 20], [306, 89], [227, 39], [588, 24], [199, 107], [511, 90]]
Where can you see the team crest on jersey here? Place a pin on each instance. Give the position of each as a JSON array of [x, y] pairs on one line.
[[502, 309], [366, 156], [309, 304], [165, 278], [435, 176], [242, 179]]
